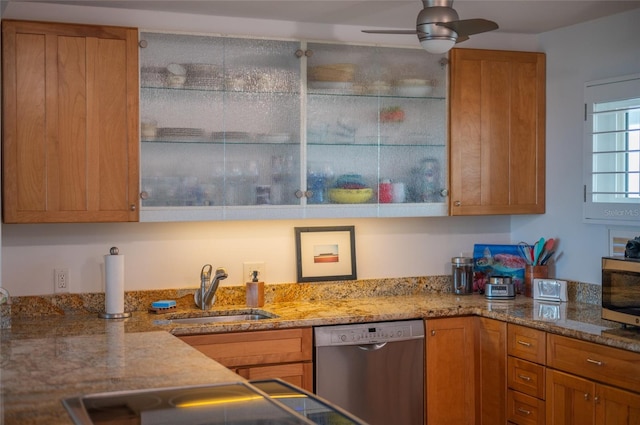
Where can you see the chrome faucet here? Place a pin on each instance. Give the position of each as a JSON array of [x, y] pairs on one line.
[[205, 297]]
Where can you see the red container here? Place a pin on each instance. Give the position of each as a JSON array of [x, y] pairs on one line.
[[385, 192]]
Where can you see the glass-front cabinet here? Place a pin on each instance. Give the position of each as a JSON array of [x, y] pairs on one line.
[[239, 128]]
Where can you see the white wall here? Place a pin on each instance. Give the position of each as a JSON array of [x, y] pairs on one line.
[[599, 49], [161, 255], [171, 255]]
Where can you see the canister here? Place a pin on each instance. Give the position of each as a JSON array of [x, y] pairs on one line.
[[462, 275]]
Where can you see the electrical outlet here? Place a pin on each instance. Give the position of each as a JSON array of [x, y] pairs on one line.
[[60, 280], [249, 267]]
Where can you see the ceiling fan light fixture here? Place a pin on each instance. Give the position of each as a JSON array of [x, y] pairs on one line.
[[436, 39], [437, 46]]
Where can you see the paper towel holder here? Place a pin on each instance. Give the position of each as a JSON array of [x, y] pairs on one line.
[[117, 315], [105, 315]]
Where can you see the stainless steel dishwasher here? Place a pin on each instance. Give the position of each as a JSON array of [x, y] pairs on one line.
[[373, 370]]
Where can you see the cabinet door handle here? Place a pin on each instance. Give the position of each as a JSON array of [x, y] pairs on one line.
[[526, 344], [444, 193], [132, 207], [299, 194], [595, 362], [300, 53], [433, 333], [457, 203], [524, 377], [524, 411], [586, 396]]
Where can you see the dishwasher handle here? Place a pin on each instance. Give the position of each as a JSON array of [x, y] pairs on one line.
[[372, 347]]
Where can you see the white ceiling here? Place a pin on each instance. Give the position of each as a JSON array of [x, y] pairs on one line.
[[513, 16]]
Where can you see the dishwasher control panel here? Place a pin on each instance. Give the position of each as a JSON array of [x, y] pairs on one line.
[[369, 333]]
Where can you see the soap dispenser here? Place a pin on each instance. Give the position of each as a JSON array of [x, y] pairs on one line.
[[255, 291]]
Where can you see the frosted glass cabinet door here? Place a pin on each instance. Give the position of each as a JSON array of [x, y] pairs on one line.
[[220, 127], [376, 131]]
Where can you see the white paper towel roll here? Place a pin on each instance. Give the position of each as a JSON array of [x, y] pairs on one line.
[[114, 283]]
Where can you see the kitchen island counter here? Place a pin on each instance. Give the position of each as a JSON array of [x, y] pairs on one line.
[[37, 373]]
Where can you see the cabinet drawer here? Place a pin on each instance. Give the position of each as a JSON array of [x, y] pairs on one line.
[[251, 348], [526, 343], [525, 377], [598, 362], [523, 409], [299, 374]]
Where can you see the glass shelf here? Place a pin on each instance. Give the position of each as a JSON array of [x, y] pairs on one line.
[[218, 90], [234, 142], [255, 144], [312, 92]]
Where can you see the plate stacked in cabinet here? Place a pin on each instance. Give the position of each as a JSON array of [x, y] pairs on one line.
[[526, 349]]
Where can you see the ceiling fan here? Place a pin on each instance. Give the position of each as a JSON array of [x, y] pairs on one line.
[[438, 27]]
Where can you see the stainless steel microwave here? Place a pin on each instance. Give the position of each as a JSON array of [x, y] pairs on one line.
[[621, 290]]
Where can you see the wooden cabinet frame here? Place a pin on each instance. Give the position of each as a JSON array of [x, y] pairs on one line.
[[497, 132], [70, 123]]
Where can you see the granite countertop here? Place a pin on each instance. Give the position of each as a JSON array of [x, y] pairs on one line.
[[37, 373], [573, 319], [44, 360]]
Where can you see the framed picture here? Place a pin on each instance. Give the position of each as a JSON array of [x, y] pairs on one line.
[[325, 253]]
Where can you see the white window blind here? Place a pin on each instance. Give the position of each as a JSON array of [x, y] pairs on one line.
[[612, 150]]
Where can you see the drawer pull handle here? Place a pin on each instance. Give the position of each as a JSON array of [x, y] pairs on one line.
[[524, 377], [595, 362], [526, 344], [524, 411]]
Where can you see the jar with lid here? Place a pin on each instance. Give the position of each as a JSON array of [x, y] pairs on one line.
[[462, 275]]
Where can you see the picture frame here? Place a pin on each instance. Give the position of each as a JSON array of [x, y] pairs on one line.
[[325, 253]]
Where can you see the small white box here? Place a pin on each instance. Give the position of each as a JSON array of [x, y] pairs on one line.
[[550, 290]]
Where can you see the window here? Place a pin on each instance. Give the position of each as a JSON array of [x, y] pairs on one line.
[[612, 151]]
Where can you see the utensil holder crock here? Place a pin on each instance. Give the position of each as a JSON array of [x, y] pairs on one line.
[[533, 272]]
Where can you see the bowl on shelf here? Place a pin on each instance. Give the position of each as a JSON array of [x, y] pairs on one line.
[[337, 72], [350, 196], [413, 87]]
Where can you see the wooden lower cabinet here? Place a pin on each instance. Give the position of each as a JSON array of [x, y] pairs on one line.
[[286, 354], [616, 407], [492, 344], [526, 349], [523, 409], [573, 400], [298, 374], [450, 371]]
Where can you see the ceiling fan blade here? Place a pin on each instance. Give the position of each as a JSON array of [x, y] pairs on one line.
[[390, 31], [462, 38], [468, 27]]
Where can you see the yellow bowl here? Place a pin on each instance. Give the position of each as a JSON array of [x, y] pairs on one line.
[[350, 196]]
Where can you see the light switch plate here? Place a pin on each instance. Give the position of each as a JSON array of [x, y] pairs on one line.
[[249, 267]]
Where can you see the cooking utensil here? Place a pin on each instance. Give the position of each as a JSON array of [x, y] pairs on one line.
[[526, 251], [546, 258], [537, 250]]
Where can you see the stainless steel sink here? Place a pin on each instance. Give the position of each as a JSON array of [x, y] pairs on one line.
[[222, 318], [219, 316]]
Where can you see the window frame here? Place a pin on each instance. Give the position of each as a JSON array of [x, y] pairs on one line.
[[599, 92]]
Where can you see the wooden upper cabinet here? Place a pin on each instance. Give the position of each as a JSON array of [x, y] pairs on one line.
[[497, 132], [70, 123]]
